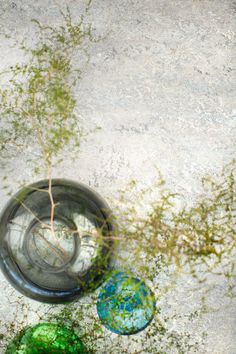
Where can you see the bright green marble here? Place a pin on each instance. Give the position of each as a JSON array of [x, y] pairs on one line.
[[46, 338]]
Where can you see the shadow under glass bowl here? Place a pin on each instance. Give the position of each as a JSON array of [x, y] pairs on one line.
[[55, 262]]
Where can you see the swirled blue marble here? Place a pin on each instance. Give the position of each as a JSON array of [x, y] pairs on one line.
[[125, 304]]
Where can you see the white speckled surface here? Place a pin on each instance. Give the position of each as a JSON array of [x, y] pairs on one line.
[[161, 85]]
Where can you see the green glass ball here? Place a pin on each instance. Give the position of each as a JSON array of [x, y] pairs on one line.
[[46, 338]]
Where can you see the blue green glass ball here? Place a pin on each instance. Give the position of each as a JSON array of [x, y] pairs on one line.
[[125, 305]]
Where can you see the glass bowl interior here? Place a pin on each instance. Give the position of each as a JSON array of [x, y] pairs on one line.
[[56, 251]]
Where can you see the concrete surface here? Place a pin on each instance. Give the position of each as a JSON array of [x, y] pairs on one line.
[[161, 85]]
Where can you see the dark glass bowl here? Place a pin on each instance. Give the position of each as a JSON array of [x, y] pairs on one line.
[[55, 262]]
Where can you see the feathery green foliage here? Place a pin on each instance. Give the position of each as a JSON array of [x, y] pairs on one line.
[[198, 239], [38, 105]]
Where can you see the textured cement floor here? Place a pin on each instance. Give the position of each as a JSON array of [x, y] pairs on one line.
[[161, 86]]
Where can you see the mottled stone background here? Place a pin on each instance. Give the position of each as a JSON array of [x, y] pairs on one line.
[[161, 86]]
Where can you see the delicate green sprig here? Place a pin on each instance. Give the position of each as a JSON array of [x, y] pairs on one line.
[[38, 106], [198, 240]]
